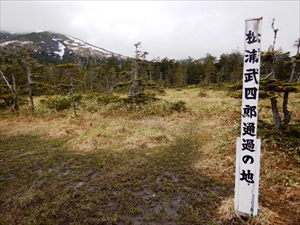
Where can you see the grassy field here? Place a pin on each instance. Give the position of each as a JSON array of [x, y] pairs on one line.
[[154, 164]]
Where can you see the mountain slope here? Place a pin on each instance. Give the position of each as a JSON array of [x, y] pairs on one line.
[[55, 45]]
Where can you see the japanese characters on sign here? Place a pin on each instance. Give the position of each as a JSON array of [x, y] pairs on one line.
[[250, 99], [247, 169]]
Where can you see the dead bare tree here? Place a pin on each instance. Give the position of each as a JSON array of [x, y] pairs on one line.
[[274, 85], [293, 76], [273, 49], [275, 112], [29, 88], [71, 93], [272, 52], [13, 102]]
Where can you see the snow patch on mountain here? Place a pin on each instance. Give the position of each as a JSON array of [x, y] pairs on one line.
[[15, 41], [57, 44], [78, 44], [61, 51]]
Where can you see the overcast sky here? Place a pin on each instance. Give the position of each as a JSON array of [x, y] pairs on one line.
[[173, 29]]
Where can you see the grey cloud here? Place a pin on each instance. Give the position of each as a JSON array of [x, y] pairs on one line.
[[167, 29]]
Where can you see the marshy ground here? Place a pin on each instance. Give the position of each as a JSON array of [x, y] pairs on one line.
[[135, 166]]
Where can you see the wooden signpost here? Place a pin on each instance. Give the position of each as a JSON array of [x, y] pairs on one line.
[[248, 146]]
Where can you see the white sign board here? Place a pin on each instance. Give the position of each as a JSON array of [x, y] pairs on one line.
[[248, 146]]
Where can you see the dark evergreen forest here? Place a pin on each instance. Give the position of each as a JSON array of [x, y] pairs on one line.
[[91, 74]]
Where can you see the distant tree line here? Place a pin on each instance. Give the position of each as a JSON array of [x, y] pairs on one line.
[[92, 74], [25, 74]]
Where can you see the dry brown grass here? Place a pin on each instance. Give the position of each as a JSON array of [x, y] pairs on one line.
[[228, 215], [213, 118], [280, 186]]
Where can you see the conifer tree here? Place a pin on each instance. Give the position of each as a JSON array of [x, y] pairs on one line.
[[137, 82], [272, 87], [210, 70], [70, 69]]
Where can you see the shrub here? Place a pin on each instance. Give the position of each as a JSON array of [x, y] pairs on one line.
[[161, 91], [57, 103], [179, 106], [140, 98], [106, 99], [202, 94], [287, 140], [144, 105]]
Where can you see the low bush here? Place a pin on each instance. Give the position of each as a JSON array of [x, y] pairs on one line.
[[59, 103], [179, 106], [286, 141], [202, 93]]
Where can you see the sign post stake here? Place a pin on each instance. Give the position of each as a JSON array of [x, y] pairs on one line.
[[248, 146]]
